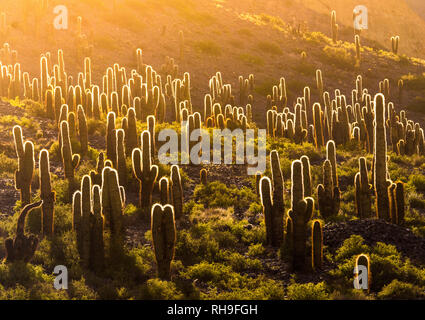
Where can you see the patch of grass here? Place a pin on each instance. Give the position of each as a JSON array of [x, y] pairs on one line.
[[414, 81], [398, 290], [207, 47], [307, 291], [269, 47], [251, 59], [417, 104], [264, 88]]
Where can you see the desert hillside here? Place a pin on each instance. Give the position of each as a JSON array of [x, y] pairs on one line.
[[331, 125]]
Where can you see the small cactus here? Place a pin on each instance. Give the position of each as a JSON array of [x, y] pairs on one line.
[[316, 245], [203, 176]]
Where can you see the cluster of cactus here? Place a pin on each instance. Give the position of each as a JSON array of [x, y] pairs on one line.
[[22, 247], [246, 90], [363, 191], [88, 223], [170, 68], [389, 195], [146, 173], [163, 228], [381, 181], [82, 42], [299, 216], [273, 202], [328, 193]]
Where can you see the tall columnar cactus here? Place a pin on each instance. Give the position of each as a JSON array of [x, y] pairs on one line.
[[300, 133], [26, 164], [331, 156], [22, 248], [380, 161], [329, 195], [363, 191], [334, 27], [163, 228], [111, 148], [131, 139], [88, 225], [82, 131], [276, 218], [46, 194], [113, 199], [176, 191], [306, 176], [394, 44], [316, 245], [145, 172], [121, 158], [357, 42], [318, 126], [70, 161], [96, 175], [301, 212]]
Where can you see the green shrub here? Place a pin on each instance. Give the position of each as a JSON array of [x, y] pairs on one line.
[[307, 291], [208, 47], [398, 290]]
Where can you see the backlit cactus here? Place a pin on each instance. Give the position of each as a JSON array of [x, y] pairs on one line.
[[163, 228], [26, 164], [381, 181], [145, 172], [112, 201], [363, 191], [176, 191], [300, 213], [70, 161], [46, 194]]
